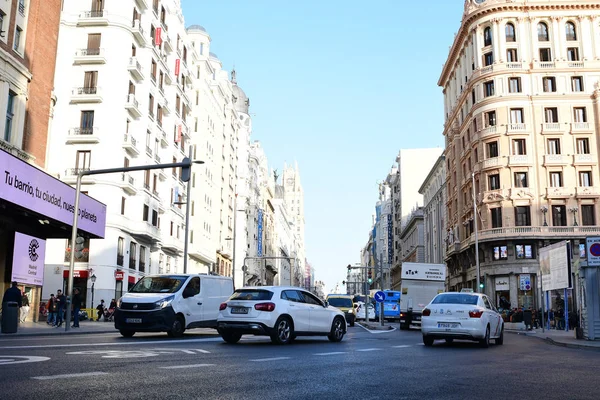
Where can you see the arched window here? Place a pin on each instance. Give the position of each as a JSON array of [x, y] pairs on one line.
[[510, 33], [543, 35], [570, 31], [487, 36]]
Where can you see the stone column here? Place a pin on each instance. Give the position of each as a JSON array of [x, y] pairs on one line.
[[534, 42], [557, 36], [478, 47], [593, 21], [522, 40], [514, 291], [496, 41], [584, 33]]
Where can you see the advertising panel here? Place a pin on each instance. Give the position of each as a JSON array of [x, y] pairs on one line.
[[259, 252], [555, 266], [28, 260], [424, 271], [390, 231]]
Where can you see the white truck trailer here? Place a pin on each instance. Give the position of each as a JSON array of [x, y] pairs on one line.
[[421, 282]]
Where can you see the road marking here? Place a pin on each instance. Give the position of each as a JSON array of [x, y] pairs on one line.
[[9, 360], [68, 376], [420, 344], [370, 349], [126, 343], [203, 351], [270, 359], [402, 346], [187, 366], [333, 353]]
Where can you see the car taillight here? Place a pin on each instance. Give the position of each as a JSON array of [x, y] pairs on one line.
[[402, 314], [222, 306], [475, 313], [426, 312], [264, 306]]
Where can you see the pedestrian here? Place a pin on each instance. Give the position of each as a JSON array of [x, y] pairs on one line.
[[113, 304], [25, 308], [51, 307], [12, 294], [61, 302], [76, 307], [100, 309]]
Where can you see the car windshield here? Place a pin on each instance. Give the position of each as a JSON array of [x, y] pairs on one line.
[[340, 302], [159, 284], [252, 295], [455, 298]]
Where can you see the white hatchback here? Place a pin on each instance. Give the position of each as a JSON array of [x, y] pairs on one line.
[[468, 316], [283, 313]]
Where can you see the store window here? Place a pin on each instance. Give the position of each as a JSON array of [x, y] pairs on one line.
[[524, 251], [500, 253]]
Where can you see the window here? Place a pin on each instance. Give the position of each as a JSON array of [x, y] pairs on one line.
[[2, 15], [488, 88], [514, 85], [143, 259], [153, 70], [120, 251], [82, 160], [90, 81], [522, 216], [155, 218], [583, 146], [17, 42], [585, 178], [10, 112], [146, 213], [549, 84], [551, 115], [573, 54], [545, 55], [570, 31], [579, 114], [151, 105], [511, 55], [473, 98], [492, 148], [577, 84], [559, 215], [509, 30], [542, 30], [524, 251], [490, 118], [488, 59], [516, 115], [496, 214], [86, 123], [132, 255], [487, 36], [494, 182], [147, 179], [521, 180], [588, 216], [500, 253], [554, 146], [519, 147], [123, 205], [556, 179]]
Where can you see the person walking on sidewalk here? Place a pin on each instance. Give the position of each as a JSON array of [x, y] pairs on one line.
[[13, 294], [51, 307], [76, 307], [100, 309], [25, 308], [61, 302]]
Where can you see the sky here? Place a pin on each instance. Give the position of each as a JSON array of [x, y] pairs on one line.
[[340, 86]]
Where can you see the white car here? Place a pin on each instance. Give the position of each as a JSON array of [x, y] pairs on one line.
[[468, 316], [279, 312], [359, 308]]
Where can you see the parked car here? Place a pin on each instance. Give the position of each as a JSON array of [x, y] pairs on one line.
[[345, 304], [283, 313], [359, 309], [468, 316]]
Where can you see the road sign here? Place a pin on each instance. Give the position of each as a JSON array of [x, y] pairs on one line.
[[593, 251], [525, 281], [379, 296]]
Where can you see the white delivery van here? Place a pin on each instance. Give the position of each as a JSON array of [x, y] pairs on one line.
[[172, 303], [421, 282]]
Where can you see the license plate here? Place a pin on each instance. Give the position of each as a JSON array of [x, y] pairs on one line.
[[417, 318], [448, 325], [133, 320], [239, 310]]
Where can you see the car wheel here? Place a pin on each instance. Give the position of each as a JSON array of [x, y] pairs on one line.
[[427, 341], [231, 337], [283, 332], [337, 330], [178, 327], [449, 340], [500, 340], [126, 333], [485, 342]]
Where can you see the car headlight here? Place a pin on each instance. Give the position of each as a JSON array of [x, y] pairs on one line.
[[351, 311], [164, 302], [119, 302]]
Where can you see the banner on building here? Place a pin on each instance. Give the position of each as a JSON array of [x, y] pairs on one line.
[[158, 36], [177, 66], [28, 260], [390, 229], [259, 252]]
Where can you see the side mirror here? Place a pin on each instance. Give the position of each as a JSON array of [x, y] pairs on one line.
[[326, 304]]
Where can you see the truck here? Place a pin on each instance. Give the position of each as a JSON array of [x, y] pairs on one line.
[[421, 282]]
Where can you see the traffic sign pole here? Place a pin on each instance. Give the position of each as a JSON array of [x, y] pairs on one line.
[[380, 298]]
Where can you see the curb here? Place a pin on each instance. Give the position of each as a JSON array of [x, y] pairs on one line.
[[70, 332], [386, 329], [556, 343]]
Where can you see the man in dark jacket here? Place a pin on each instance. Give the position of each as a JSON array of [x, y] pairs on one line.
[[76, 307], [13, 294], [61, 302]]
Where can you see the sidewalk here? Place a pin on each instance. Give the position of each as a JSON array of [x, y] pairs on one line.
[[559, 338], [43, 329]]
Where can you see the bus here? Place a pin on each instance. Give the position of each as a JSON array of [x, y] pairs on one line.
[[391, 306]]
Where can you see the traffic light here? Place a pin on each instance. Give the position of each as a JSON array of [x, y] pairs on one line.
[[343, 282], [481, 282], [369, 276], [349, 267], [79, 245], [185, 171]]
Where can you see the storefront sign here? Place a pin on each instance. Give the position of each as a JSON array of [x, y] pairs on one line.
[[29, 187], [260, 233], [593, 251], [502, 283], [78, 273], [119, 275], [28, 260], [525, 282]]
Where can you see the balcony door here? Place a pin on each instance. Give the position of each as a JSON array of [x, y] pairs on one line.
[[86, 125], [93, 45], [90, 82], [559, 216], [97, 6]]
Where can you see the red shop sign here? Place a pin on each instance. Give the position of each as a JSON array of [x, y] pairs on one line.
[[119, 275], [76, 273]]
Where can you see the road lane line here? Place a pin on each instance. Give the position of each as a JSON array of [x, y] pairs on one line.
[[333, 353], [402, 346], [68, 376], [132, 343], [188, 366], [370, 349], [270, 359], [203, 351]]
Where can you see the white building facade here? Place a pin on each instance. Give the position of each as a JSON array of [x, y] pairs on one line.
[[433, 190]]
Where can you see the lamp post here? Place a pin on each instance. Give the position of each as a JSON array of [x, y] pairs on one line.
[[574, 211], [544, 210], [93, 279], [476, 232]]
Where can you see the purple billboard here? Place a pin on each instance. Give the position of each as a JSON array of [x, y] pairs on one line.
[[29, 187], [28, 260]]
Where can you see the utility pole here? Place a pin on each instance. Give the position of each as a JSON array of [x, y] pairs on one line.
[[187, 217], [234, 234]]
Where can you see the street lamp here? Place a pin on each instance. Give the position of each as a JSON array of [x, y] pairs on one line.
[[544, 210], [93, 279], [574, 211]]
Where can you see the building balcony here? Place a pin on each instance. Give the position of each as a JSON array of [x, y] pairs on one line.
[[514, 65], [143, 231], [175, 209], [83, 135], [89, 56], [491, 163], [521, 193], [135, 68], [133, 106], [167, 41], [172, 244], [157, 158], [164, 142], [558, 192], [556, 159], [71, 174], [516, 128], [575, 64], [149, 151], [584, 159], [544, 65], [161, 207], [142, 5], [166, 107], [587, 191], [162, 175], [553, 127], [82, 95], [490, 196], [488, 131], [93, 18], [138, 32], [521, 159], [581, 127], [128, 183], [528, 232], [130, 145]]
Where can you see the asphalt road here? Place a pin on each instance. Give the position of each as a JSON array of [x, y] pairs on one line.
[[390, 365]]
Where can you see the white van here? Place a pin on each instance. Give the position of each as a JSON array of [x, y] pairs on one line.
[[172, 303]]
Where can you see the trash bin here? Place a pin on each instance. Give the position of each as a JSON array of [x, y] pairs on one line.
[[10, 317]]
